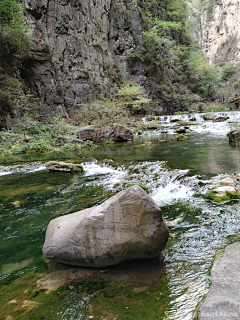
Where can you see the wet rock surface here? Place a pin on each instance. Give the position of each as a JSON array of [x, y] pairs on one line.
[[127, 226], [222, 301], [209, 116], [234, 136], [63, 166], [220, 119]]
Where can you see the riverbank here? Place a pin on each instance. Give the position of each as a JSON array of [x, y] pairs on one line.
[[222, 299]]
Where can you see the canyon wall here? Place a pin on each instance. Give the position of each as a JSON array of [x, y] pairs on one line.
[[80, 49], [220, 36]]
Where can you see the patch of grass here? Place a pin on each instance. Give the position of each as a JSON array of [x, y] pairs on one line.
[[228, 196]]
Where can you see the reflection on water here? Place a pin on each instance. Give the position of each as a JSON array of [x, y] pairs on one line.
[[173, 171]]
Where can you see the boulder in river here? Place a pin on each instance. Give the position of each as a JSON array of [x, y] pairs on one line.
[[220, 119], [86, 133], [181, 130], [116, 133], [127, 226], [63, 166], [209, 116], [234, 136]]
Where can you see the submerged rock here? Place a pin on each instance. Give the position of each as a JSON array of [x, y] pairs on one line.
[[86, 133], [63, 166], [115, 133], [127, 226]]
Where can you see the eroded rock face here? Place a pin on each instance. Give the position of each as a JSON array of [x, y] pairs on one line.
[[63, 166], [115, 133], [86, 133], [219, 36], [127, 226]]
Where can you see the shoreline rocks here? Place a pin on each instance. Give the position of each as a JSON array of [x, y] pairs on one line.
[[86, 133], [125, 227], [222, 300], [116, 133]]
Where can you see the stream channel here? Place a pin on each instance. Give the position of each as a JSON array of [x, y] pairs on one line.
[[177, 174]]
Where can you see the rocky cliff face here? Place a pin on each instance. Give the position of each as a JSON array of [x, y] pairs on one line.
[[220, 36], [80, 50]]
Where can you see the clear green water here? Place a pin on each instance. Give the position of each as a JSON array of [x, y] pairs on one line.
[[198, 228]]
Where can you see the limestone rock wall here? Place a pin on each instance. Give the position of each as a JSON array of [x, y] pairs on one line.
[[80, 49], [220, 36]]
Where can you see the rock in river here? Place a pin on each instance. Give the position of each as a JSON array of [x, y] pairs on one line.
[[234, 136], [63, 166], [209, 116], [127, 226]]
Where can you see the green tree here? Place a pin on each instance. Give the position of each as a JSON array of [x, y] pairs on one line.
[[204, 77]]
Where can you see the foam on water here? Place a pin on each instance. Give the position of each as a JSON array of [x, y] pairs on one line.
[[24, 168], [109, 175], [170, 193], [203, 126]]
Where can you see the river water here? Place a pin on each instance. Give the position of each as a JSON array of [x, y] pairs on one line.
[[177, 173]]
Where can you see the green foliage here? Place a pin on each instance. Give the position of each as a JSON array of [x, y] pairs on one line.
[[207, 278], [228, 196], [106, 141], [140, 185], [12, 24], [228, 70], [78, 169], [13, 93], [30, 135], [204, 77]]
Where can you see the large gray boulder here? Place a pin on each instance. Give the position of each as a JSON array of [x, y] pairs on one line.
[[116, 133], [127, 226], [86, 133]]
